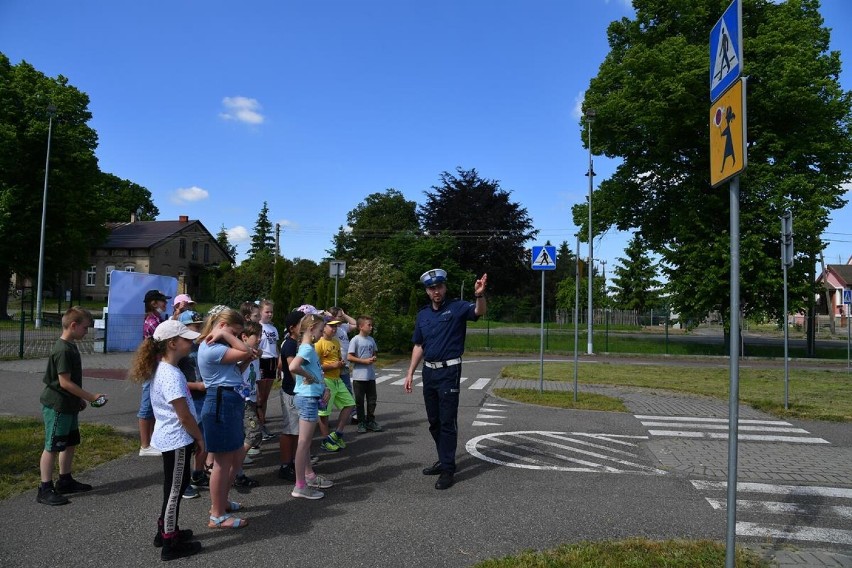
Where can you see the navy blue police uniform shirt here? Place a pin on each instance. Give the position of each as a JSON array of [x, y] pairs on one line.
[[441, 332]]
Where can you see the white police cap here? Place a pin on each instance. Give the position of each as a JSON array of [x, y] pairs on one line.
[[433, 277]]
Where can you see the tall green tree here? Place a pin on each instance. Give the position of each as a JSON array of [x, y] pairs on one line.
[[651, 102], [73, 225], [225, 243], [634, 284], [490, 228], [263, 238], [120, 198], [373, 223]]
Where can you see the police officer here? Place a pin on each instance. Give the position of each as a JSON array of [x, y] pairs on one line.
[[439, 333]]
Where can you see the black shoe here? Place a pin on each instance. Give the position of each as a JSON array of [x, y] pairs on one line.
[[50, 496], [183, 535], [434, 469], [245, 481], [200, 481], [176, 548], [287, 473], [445, 481], [72, 486]]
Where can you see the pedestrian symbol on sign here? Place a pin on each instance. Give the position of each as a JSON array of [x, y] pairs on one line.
[[544, 258], [847, 296]]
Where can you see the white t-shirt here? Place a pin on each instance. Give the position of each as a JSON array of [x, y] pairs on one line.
[[168, 385], [343, 338], [268, 341]]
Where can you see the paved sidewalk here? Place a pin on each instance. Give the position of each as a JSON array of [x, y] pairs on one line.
[[770, 462]]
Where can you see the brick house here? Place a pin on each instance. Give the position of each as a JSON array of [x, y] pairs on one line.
[[184, 249], [836, 278]]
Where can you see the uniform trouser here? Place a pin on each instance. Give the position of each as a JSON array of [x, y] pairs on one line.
[[176, 471], [441, 395]]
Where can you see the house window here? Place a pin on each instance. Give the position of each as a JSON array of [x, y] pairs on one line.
[[194, 250], [206, 252], [109, 270], [91, 275], [130, 269], [182, 249]]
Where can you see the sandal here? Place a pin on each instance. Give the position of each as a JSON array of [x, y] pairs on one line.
[[232, 507], [219, 522]]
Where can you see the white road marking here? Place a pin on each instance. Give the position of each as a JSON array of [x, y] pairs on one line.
[[741, 428], [745, 437], [780, 508], [811, 534], [481, 423], [794, 490], [538, 456], [702, 419], [384, 378], [480, 384]]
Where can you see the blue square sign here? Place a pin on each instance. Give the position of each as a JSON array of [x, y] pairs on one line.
[[726, 50], [544, 258]]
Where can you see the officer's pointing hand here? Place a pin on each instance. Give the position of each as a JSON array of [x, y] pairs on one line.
[[479, 285]]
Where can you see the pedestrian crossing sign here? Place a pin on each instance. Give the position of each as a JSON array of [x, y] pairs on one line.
[[544, 258], [847, 296], [726, 50]]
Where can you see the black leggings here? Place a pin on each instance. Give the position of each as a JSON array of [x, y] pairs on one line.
[[176, 470]]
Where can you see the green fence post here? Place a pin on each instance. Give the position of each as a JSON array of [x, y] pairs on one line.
[[21, 315]]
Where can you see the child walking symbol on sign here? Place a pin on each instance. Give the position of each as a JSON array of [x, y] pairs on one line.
[[729, 143]]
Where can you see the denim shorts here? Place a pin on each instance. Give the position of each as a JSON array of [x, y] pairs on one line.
[[222, 418], [146, 411], [308, 407]]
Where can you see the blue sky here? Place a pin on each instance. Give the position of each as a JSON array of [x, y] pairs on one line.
[[312, 105]]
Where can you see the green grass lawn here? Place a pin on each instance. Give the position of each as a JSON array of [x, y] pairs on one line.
[[22, 441], [564, 399], [814, 395], [635, 553]]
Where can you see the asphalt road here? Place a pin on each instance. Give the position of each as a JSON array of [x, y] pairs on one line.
[[522, 483]]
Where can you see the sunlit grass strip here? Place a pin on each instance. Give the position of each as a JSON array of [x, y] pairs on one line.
[[814, 395], [635, 553], [562, 399], [22, 441]]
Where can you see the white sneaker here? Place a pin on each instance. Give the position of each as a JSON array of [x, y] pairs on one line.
[[307, 493], [150, 451], [254, 452], [248, 461], [319, 482]]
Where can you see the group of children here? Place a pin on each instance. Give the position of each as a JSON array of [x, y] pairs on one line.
[[209, 382]]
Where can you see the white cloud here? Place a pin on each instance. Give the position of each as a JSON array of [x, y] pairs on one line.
[[288, 224], [577, 110], [189, 194], [626, 3], [242, 109], [238, 234]]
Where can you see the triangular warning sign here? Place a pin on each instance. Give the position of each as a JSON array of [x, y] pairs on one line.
[[726, 56], [543, 259]]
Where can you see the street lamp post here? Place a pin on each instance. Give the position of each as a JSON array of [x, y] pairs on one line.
[[51, 110], [590, 118]]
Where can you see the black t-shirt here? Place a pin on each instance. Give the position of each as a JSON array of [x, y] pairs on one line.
[[289, 349]]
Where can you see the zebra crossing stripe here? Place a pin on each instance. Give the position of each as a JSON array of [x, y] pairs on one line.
[[384, 378], [791, 490], [780, 508], [741, 428], [744, 437], [398, 383], [702, 419], [480, 384], [816, 534]]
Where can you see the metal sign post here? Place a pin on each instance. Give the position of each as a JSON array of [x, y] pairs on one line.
[[847, 301], [786, 262], [576, 314], [728, 158], [543, 258], [336, 270]]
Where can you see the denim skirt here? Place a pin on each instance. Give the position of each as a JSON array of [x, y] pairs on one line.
[[222, 420]]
